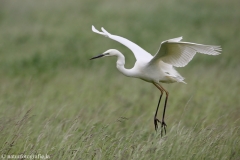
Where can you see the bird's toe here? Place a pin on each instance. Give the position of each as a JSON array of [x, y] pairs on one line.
[[156, 123]]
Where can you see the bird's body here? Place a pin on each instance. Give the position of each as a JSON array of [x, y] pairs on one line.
[[158, 72], [160, 67]]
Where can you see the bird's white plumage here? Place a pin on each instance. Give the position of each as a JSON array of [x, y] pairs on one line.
[[158, 68], [179, 54], [139, 53]]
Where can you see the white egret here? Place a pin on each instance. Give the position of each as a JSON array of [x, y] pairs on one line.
[[160, 67]]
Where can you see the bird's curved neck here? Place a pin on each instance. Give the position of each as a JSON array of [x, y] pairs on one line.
[[120, 65]]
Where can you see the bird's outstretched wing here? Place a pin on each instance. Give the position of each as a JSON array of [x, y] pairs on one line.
[[139, 53], [179, 53]]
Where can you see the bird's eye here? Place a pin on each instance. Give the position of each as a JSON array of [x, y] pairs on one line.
[[106, 54]]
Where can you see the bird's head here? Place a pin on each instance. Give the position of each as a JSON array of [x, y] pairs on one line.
[[108, 53]]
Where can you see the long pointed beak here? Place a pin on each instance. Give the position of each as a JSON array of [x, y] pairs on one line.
[[99, 56]]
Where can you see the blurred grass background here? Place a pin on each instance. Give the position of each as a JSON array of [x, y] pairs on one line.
[[55, 101]]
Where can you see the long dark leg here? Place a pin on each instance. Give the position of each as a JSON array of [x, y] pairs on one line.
[[155, 117], [163, 124]]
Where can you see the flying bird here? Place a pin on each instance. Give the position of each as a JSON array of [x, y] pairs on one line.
[[159, 68]]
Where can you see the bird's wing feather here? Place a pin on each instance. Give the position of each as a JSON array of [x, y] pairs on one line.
[[179, 54], [139, 53]]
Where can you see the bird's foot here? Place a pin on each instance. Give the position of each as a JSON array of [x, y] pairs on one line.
[[163, 127], [156, 123]]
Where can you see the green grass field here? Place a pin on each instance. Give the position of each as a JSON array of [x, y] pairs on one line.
[[54, 101]]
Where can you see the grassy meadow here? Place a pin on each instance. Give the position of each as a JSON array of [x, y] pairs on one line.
[[54, 101]]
